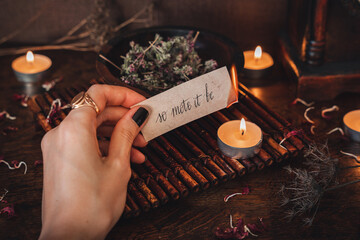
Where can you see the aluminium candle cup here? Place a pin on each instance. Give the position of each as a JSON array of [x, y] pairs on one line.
[[26, 75], [352, 125], [256, 69], [240, 152]]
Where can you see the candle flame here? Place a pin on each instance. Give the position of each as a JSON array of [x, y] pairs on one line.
[[258, 53], [242, 126], [29, 57]]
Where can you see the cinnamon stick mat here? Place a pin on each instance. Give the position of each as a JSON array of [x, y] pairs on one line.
[[188, 159]]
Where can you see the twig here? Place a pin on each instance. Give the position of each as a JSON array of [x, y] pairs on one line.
[[72, 31], [133, 18], [24, 26], [109, 61]]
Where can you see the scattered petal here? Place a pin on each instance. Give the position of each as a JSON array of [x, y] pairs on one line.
[[16, 166], [245, 191], [312, 129], [21, 98], [9, 210], [306, 117], [333, 108], [357, 158], [8, 130], [55, 110], [5, 114], [38, 162], [48, 85], [241, 230], [336, 129], [302, 102]]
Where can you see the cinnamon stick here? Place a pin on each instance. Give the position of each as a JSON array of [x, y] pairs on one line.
[[127, 211], [245, 99], [264, 125], [206, 159], [283, 152], [236, 165], [279, 118], [249, 165], [138, 197], [151, 183], [135, 210], [194, 172], [204, 176], [259, 164], [41, 118], [177, 168], [50, 99], [140, 184], [207, 150], [166, 175], [45, 107], [162, 181]]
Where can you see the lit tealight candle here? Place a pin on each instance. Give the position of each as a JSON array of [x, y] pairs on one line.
[[239, 139], [352, 125], [31, 67], [257, 63]]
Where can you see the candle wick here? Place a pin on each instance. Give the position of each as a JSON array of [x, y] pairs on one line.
[[242, 132]]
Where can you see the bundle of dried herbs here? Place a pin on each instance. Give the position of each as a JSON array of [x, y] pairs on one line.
[[164, 64], [302, 194]]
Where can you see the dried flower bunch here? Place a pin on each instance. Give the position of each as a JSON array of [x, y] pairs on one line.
[[302, 194], [164, 64]]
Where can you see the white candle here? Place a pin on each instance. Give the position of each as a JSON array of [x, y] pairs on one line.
[[239, 139], [31, 67], [352, 125], [257, 63]]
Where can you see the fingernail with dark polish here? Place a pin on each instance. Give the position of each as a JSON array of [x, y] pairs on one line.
[[140, 116]]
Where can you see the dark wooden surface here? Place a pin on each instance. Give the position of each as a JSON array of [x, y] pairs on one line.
[[197, 215]]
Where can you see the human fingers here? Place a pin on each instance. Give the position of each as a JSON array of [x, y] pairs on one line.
[[106, 95], [136, 156], [104, 146], [125, 131], [111, 114], [107, 130]]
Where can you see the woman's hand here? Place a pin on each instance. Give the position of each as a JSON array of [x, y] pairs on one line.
[[85, 180]]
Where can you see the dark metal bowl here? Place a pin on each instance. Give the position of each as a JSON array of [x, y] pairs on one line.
[[208, 45]]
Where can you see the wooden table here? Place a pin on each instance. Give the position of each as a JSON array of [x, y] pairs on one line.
[[197, 215]]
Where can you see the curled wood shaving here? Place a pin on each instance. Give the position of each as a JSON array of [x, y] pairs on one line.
[[3, 196], [336, 129], [231, 222], [302, 102]]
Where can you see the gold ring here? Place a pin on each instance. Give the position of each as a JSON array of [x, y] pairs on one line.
[[83, 99]]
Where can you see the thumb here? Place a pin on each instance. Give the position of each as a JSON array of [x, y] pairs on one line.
[[125, 131]]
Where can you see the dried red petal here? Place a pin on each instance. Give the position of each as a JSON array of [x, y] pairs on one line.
[[15, 162], [257, 228], [8, 130], [246, 190], [230, 233], [17, 97], [9, 211], [38, 162]]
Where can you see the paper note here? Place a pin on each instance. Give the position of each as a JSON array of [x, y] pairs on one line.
[[188, 101]]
